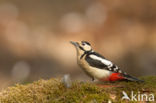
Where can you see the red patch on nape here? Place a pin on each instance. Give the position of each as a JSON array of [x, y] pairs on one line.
[[115, 77]]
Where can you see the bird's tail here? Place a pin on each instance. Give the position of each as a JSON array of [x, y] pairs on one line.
[[131, 78]]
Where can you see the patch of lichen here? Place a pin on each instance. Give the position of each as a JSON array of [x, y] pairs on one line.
[[53, 91]]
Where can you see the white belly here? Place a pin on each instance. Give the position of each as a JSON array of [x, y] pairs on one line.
[[98, 73], [95, 72]]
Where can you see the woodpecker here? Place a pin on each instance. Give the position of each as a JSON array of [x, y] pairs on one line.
[[97, 66]]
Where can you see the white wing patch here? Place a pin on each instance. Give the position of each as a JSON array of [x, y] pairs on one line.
[[104, 61]]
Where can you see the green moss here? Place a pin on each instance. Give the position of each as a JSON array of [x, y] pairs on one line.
[[53, 91]]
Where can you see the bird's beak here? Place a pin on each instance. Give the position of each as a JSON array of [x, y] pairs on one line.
[[74, 43]]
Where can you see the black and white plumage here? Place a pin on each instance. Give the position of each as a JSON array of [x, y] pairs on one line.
[[96, 60], [97, 66]]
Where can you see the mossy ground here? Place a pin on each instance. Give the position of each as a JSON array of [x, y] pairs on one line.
[[53, 91]]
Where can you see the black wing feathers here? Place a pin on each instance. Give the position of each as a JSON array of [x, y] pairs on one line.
[[95, 63], [99, 64]]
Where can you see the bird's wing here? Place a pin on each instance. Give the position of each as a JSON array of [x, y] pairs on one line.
[[96, 60]]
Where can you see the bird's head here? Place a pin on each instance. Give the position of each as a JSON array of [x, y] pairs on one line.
[[82, 47]]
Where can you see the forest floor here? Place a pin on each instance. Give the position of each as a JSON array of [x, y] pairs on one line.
[[54, 91]]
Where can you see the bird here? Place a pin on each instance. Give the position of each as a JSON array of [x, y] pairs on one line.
[[97, 66]]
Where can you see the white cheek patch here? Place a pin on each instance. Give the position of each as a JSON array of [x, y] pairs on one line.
[[104, 61], [87, 48]]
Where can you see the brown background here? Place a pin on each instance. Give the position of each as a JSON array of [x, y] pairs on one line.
[[35, 35]]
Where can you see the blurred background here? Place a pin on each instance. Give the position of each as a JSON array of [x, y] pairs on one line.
[[35, 35]]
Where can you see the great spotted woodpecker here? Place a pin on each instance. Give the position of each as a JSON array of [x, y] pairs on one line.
[[98, 67]]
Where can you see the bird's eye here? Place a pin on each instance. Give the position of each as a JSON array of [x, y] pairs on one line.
[[83, 44]]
